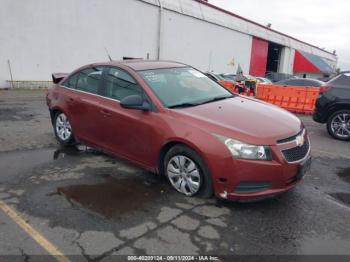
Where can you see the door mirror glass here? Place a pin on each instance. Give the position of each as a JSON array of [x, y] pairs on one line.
[[135, 102]]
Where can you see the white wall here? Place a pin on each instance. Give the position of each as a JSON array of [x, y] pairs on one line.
[[287, 60], [204, 12], [204, 45], [44, 36]]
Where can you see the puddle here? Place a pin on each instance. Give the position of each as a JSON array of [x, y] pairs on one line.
[[14, 114], [73, 151], [115, 196], [344, 174], [343, 198]]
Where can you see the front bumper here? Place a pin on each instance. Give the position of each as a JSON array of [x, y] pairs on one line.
[[250, 180]]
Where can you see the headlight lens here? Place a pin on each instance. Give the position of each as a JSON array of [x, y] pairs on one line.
[[241, 150]]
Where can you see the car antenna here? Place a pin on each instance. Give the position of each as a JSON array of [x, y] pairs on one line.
[[109, 57]]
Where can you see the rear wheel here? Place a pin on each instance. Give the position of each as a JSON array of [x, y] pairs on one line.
[[338, 125], [187, 172], [63, 129]]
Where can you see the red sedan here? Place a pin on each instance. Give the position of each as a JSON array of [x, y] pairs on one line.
[[173, 120]]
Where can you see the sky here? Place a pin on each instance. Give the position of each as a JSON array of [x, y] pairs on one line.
[[323, 23]]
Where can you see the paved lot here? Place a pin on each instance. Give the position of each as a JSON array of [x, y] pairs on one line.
[[89, 204]]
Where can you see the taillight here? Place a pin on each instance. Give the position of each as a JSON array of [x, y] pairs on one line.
[[325, 89]]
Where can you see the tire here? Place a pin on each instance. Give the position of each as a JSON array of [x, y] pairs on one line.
[[187, 172], [338, 125], [63, 130]]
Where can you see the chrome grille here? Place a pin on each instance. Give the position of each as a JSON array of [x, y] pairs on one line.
[[297, 153]]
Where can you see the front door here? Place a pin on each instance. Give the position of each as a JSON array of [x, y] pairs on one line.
[[126, 132]]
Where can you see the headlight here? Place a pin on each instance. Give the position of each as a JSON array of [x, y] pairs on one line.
[[241, 150]]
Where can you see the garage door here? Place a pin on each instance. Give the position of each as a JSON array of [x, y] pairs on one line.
[[258, 58]]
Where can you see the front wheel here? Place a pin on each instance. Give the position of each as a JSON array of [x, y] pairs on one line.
[[338, 125], [187, 172], [63, 129]]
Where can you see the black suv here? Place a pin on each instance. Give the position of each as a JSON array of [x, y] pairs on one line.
[[333, 106]]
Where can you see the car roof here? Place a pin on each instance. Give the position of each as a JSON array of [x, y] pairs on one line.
[[140, 64], [299, 78]]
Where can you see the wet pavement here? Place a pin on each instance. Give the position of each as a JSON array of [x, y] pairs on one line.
[[89, 204]]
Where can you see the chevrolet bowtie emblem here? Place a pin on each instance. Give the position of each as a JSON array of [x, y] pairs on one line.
[[300, 140]]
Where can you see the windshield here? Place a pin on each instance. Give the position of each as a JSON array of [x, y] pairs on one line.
[[184, 86]]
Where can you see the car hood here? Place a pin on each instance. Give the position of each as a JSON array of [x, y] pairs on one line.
[[246, 119]]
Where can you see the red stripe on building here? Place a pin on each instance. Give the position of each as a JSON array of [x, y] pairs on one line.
[[303, 65]]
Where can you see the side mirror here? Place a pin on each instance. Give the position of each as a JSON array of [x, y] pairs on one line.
[[135, 102]]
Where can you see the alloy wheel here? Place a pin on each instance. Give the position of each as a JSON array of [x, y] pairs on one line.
[[63, 127], [340, 125]]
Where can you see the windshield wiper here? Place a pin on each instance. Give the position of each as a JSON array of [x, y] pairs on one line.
[[188, 104], [184, 105], [218, 98]]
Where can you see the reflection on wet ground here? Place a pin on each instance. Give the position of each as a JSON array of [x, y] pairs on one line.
[[116, 196], [62, 152]]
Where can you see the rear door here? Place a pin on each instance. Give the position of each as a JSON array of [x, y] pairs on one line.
[[84, 105]]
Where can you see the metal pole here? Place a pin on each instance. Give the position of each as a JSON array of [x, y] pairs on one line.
[[9, 64], [159, 29]]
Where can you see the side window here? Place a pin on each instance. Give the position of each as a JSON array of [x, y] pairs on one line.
[[89, 80], [71, 82], [120, 84]]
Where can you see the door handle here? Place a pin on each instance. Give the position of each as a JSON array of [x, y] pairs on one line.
[[106, 113]]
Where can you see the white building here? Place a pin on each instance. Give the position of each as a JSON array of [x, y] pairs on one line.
[[38, 37]]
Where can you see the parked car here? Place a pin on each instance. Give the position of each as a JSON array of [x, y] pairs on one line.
[[214, 76], [233, 77], [227, 83], [228, 77], [171, 119], [333, 106], [307, 82], [263, 80], [275, 77]]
